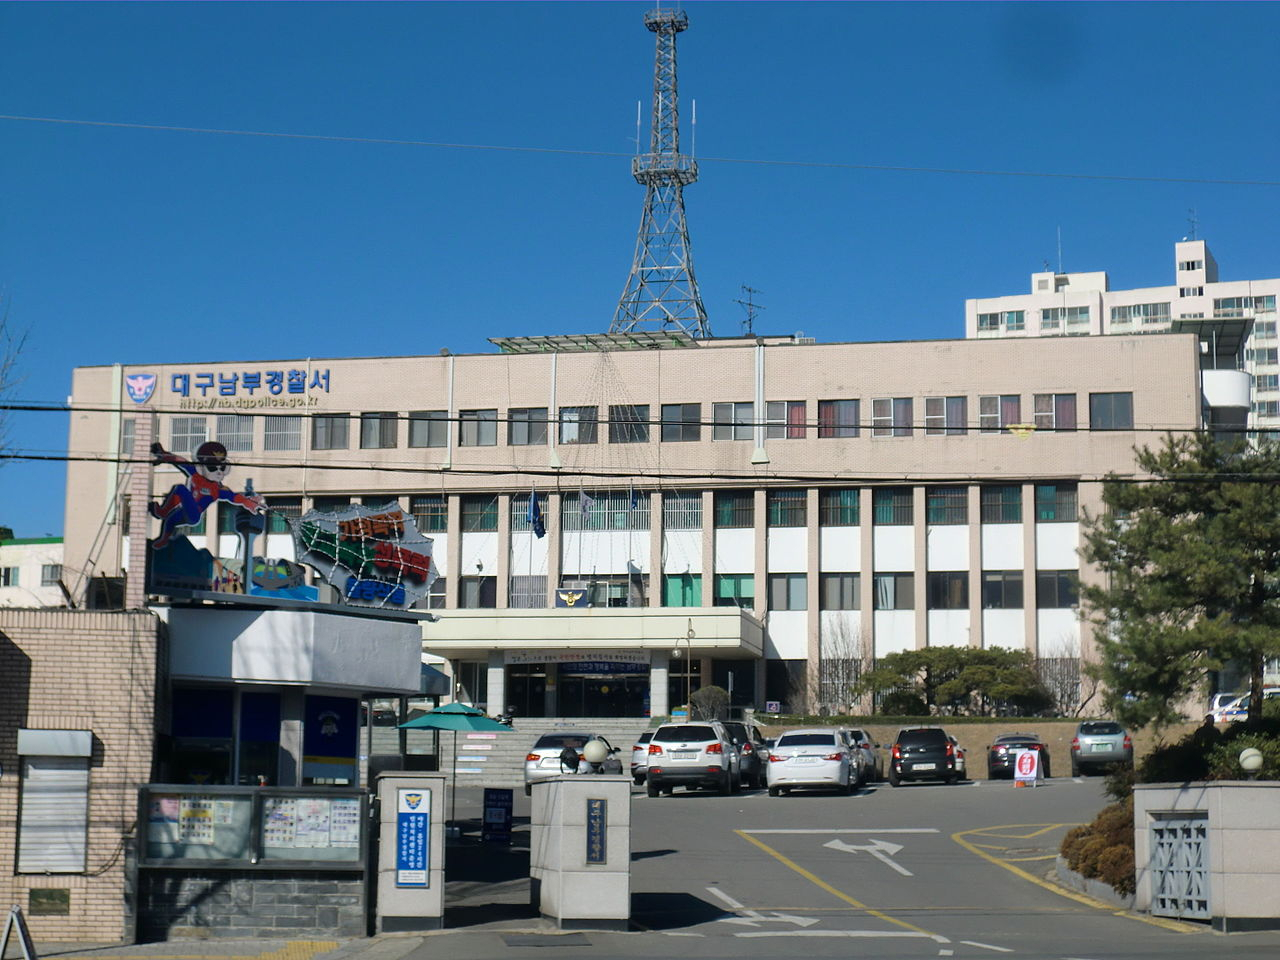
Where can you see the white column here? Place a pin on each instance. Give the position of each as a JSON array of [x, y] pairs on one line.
[[659, 674], [497, 685]]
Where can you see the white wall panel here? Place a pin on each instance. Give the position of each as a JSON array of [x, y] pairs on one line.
[[948, 628], [479, 548], [948, 547], [1056, 545], [682, 551], [841, 632], [528, 555], [1004, 628], [279, 546], [735, 551], [440, 553], [604, 552], [1059, 632], [894, 549], [1002, 546], [788, 550], [840, 549], [895, 631], [787, 636]]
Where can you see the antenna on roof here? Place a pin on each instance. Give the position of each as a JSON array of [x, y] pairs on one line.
[[1060, 270], [751, 307], [1193, 220]]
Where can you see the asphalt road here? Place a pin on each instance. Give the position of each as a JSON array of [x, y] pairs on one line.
[[914, 872]]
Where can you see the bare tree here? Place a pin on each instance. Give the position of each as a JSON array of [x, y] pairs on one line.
[[840, 662], [1059, 670]]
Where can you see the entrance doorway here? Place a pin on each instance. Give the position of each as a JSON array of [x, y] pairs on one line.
[[526, 690], [604, 695]]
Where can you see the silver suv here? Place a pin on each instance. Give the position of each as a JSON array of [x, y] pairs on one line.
[[1100, 743], [691, 755]]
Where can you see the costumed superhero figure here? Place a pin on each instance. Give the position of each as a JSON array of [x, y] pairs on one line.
[[186, 502]]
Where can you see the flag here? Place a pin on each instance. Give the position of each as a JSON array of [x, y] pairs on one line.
[[535, 516], [585, 502], [635, 498]]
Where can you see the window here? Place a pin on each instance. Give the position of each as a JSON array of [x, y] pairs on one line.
[[735, 590], [784, 419], [947, 590], [839, 591], [282, 433], [681, 422], [988, 322], [1053, 318], [1002, 589], [629, 423], [1111, 411], [682, 511], [682, 590], [378, 430], [837, 418], [478, 593], [8, 576], [891, 506], [787, 508], [605, 510], [186, 434], [620, 590], [329, 431], [1191, 291], [478, 428], [50, 574], [895, 591], [946, 505], [1239, 306], [334, 504], [891, 417], [997, 413], [127, 428], [945, 416], [1057, 589], [1266, 408], [479, 514], [1146, 313], [1055, 411], [526, 426], [838, 508], [1263, 355], [787, 591], [283, 509], [732, 421], [1267, 381], [1002, 504], [578, 424], [235, 432], [528, 592], [1056, 503], [734, 509], [437, 595], [430, 512], [429, 428], [1266, 329], [1011, 319], [1190, 264]]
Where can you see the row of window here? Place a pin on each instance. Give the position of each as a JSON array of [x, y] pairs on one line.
[[50, 574], [1056, 318], [944, 590], [680, 422]]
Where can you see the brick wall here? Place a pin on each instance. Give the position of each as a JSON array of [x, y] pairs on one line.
[[80, 670]]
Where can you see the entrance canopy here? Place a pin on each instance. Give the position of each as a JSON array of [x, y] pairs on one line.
[[725, 633]]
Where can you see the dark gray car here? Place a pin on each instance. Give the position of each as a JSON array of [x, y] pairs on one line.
[[752, 752], [1098, 744]]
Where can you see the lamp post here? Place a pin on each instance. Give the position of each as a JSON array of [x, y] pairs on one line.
[[675, 654]]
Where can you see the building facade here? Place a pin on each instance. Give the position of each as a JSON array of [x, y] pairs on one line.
[[30, 571], [765, 514]]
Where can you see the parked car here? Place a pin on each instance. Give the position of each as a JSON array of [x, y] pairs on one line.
[[1099, 743], [1219, 704], [960, 758], [872, 759], [811, 758], [640, 757], [1237, 709], [922, 753], [692, 755], [543, 758], [752, 753], [1003, 752]]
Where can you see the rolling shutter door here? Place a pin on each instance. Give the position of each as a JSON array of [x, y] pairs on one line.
[[53, 824]]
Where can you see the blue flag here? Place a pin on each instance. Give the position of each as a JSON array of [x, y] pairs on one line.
[[535, 516], [635, 498]]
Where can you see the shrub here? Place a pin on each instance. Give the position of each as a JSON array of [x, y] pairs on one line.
[[1103, 849], [1223, 761], [1116, 869], [903, 703], [709, 703]]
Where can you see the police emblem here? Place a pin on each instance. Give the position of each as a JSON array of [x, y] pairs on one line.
[[140, 386]]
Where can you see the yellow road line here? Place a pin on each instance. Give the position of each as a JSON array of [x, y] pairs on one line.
[[300, 950], [838, 894], [959, 837]]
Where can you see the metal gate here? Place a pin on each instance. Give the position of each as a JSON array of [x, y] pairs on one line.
[[1180, 867]]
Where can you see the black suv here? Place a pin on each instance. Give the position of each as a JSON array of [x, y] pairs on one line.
[[922, 753], [752, 752]]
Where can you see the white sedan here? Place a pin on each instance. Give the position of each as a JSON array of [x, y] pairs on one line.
[[811, 759]]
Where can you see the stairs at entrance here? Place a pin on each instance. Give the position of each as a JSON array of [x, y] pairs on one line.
[[503, 763]]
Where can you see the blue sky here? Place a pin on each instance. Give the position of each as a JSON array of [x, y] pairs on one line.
[[142, 246]]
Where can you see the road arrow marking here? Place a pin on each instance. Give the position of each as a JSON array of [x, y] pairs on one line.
[[750, 918], [882, 850]]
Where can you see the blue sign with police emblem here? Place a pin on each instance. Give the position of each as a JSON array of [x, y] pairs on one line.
[[140, 386]]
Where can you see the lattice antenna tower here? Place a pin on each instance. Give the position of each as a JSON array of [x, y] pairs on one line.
[[752, 308], [661, 292]]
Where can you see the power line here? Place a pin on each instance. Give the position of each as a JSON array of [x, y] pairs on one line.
[[609, 154]]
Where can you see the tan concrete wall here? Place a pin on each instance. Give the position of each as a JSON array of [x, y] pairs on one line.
[[78, 670]]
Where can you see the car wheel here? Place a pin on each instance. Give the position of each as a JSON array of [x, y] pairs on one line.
[[774, 792], [726, 785], [735, 783], [1047, 774], [893, 779], [1075, 769], [851, 788], [528, 790], [651, 790]]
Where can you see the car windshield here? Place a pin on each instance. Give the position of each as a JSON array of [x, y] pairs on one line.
[[921, 738], [1101, 727], [645, 737], [806, 739], [684, 731], [858, 735], [558, 741], [736, 730]]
